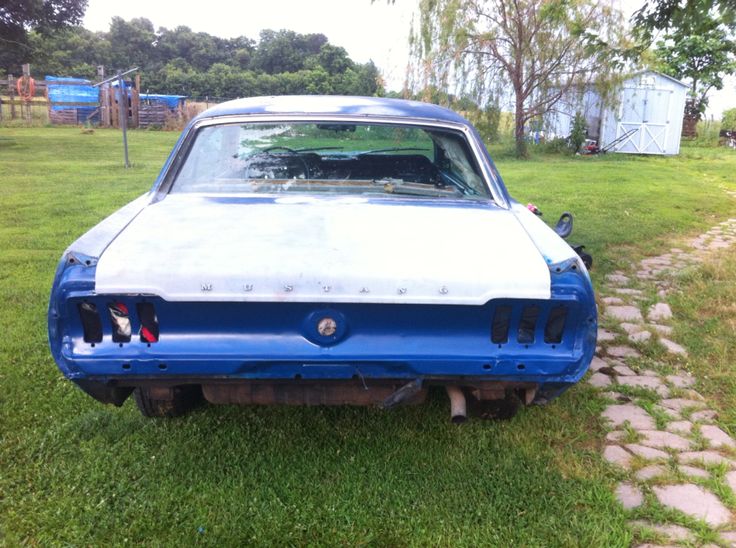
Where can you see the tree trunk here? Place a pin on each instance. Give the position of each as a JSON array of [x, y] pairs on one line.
[[521, 149]]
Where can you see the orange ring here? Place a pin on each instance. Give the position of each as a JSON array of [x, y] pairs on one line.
[[26, 87]]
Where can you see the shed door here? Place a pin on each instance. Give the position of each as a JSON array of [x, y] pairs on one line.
[[643, 121]]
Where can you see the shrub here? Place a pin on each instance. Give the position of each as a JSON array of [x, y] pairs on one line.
[[729, 119], [707, 133], [558, 145], [578, 132]]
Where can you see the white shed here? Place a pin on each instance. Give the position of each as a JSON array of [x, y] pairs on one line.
[[645, 117]]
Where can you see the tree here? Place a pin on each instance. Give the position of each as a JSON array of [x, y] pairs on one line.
[[702, 60], [662, 15], [132, 43], [198, 64], [74, 51], [538, 49], [333, 59], [729, 119], [285, 50], [200, 49], [17, 17], [697, 44]]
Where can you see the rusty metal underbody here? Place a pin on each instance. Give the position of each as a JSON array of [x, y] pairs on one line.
[[347, 392]]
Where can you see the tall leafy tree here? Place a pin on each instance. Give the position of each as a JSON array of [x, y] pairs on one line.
[[662, 15], [132, 42], [695, 42], [538, 50], [198, 64], [200, 49], [333, 59], [73, 51], [285, 50], [18, 17]]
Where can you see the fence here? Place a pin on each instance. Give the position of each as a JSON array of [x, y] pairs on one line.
[[102, 107]]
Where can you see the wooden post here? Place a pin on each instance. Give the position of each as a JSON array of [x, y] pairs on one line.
[[102, 95], [26, 75], [135, 98], [48, 102], [104, 107], [11, 94], [114, 112], [108, 108]]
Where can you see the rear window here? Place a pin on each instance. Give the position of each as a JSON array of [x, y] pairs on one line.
[[335, 158]]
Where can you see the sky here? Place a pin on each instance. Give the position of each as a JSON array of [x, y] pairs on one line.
[[377, 31]]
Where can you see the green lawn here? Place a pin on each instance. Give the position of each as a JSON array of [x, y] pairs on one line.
[[73, 471], [704, 303]]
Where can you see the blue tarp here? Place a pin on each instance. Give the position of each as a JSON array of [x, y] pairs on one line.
[[82, 93], [171, 101]]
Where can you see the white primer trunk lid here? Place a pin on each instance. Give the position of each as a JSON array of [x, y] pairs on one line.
[[301, 249]]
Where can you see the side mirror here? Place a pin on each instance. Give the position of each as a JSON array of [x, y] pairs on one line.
[[563, 228]]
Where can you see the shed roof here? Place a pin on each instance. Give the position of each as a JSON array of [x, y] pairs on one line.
[[670, 78]]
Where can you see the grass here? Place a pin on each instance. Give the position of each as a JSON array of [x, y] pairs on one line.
[[704, 303], [75, 472], [39, 114], [627, 207]]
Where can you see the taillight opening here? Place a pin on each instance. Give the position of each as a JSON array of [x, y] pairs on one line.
[[555, 325], [501, 321], [120, 319], [528, 324], [149, 322], [91, 322]]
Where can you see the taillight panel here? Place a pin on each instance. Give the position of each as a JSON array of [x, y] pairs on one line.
[[121, 321], [149, 322], [528, 324], [555, 325], [501, 323], [91, 322], [525, 323]]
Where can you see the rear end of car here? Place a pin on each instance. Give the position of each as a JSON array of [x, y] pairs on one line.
[[281, 353], [332, 272]]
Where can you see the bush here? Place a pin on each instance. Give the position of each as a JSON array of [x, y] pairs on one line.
[[487, 123], [578, 132], [729, 119], [558, 145], [707, 133]]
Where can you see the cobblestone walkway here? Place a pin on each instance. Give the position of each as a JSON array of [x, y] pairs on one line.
[[662, 431]]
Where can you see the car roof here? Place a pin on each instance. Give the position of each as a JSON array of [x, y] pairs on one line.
[[334, 105]]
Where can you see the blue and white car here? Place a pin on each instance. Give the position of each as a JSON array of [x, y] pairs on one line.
[[323, 250]]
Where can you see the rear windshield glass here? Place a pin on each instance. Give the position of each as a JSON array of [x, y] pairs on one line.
[[335, 158]]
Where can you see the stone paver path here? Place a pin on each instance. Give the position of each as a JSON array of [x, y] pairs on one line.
[[666, 443]]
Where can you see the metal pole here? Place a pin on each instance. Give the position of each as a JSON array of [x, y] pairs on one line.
[[116, 77], [123, 104]]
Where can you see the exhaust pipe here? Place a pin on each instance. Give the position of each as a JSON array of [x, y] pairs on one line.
[[458, 408]]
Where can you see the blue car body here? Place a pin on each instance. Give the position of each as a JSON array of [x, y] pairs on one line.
[[328, 344]]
